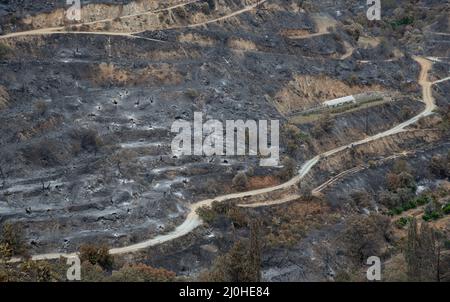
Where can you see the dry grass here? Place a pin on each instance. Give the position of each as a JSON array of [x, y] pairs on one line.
[[196, 39], [382, 147], [241, 44], [368, 42], [46, 125], [306, 91], [309, 118], [155, 74], [108, 72], [94, 12], [258, 182], [290, 222], [292, 33]]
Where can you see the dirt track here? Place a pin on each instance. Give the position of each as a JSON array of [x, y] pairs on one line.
[[192, 220], [61, 30]]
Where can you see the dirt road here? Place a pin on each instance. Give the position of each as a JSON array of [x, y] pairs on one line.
[[193, 220], [233, 14], [62, 30], [429, 107]]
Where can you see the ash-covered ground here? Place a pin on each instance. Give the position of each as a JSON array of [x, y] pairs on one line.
[[85, 119]]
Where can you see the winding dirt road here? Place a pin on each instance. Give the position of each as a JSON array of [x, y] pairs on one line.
[[233, 14], [61, 30], [429, 107], [192, 220]]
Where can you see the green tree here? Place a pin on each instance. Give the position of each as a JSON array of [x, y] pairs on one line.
[[12, 242], [36, 271], [289, 169], [255, 250], [92, 272], [242, 263], [97, 255], [365, 236], [240, 181], [421, 253]]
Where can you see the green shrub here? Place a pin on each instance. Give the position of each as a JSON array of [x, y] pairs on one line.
[[4, 50], [431, 216], [12, 242], [289, 169], [412, 204], [304, 137], [402, 222], [446, 209], [409, 205], [220, 208], [207, 214], [397, 210], [210, 214], [402, 21], [240, 181], [37, 271], [238, 217], [97, 255], [423, 200]]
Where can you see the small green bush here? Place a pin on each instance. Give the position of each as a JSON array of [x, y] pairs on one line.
[[402, 222], [431, 216], [395, 211], [240, 181], [207, 214], [398, 210], [410, 205], [423, 200], [97, 255], [446, 209], [4, 50], [403, 21], [12, 241]]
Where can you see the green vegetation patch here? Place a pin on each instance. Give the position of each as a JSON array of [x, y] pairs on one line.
[[407, 20], [403, 222], [4, 50], [435, 215], [446, 209]]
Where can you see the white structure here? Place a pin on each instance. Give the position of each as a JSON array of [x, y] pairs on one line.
[[340, 101]]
